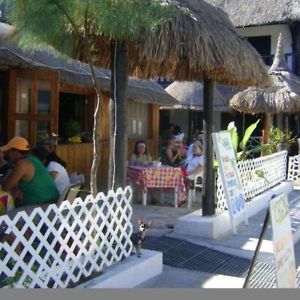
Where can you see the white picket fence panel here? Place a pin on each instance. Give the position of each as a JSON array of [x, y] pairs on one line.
[[61, 246], [274, 170]]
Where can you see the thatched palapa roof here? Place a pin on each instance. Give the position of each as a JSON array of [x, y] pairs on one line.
[[200, 40], [244, 13], [190, 96], [74, 72], [255, 100], [283, 96]]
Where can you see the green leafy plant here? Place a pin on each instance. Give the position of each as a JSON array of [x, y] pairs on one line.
[[72, 128], [277, 141], [13, 280], [240, 148]]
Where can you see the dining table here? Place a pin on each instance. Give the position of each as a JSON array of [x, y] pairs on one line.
[[146, 177]]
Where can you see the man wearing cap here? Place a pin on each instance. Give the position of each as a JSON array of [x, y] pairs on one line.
[[28, 175]]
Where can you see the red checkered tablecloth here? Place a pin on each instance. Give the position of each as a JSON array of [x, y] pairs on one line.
[[158, 177]]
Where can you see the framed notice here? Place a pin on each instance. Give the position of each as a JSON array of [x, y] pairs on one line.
[[283, 245], [230, 177]]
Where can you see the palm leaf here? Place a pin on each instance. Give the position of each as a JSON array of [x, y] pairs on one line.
[[247, 134], [234, 135]]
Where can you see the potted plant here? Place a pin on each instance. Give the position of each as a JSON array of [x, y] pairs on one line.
[[72, 130], [278, 141]]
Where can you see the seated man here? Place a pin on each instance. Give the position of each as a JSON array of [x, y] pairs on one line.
[[28, 176]]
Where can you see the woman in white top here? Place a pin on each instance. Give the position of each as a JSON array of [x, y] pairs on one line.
[[195, 164], [56, 170]]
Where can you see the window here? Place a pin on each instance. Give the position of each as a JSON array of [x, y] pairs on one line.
[[42, 132], [22, 128], [30, 109], [33, 109], [76, 116], [43, 97], [262, 44], [24, 87], [138, 120]]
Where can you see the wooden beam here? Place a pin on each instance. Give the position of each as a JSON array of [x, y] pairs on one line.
[[76, 89], [12, 104]]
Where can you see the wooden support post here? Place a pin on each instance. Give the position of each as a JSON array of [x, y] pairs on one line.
[[208, 190]]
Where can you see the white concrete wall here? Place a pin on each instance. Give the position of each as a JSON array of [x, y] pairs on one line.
[[273, 31]]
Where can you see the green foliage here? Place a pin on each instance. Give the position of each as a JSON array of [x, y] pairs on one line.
[[248, 134], [72, 128], [277, 139], [11, 281], [58, 22], [241, 145]]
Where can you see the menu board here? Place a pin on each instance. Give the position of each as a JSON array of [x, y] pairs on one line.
[[283, 246], [230, 177]]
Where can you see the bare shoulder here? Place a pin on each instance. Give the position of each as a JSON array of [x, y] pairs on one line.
[[23, 164]]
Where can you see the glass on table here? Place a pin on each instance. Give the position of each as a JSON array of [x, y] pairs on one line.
[[156, 164]]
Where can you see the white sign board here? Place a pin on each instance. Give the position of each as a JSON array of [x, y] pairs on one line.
[[230, 177], [283, 245]]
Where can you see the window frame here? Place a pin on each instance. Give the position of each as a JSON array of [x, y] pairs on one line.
[[32, 118]]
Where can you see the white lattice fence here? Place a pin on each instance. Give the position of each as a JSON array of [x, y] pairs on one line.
[[253, 143], [294, 169], [63, 245], [272, 167]]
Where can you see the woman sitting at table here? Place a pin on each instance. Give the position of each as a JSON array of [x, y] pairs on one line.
[[56, 170], [195, 164], [172, 155], [140, 156]]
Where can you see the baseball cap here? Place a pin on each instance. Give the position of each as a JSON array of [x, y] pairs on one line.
[[18, 143]]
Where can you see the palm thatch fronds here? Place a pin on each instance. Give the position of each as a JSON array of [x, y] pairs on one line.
[[259, 12], [74, 72], [282, 97], [190, 96], [256, 100], [199, 40]]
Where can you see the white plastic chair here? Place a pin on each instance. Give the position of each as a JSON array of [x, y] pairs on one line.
[[192, 193], [76, 177], [70, 193]]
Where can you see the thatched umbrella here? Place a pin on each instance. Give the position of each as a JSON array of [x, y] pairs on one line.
[[282, 97], [190, 96], [198, 43]]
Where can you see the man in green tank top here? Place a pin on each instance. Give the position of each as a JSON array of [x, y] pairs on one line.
[[28, 175]]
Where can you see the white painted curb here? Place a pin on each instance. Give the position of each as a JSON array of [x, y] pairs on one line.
[[129, 273], [216, 226]]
